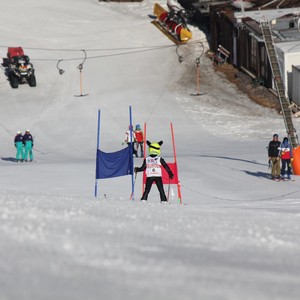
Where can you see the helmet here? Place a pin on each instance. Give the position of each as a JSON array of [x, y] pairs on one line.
[[19, 132], [137, 127], [27, 130], [154, 149]]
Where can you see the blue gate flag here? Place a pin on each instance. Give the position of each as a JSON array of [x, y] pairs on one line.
[[114, 164]]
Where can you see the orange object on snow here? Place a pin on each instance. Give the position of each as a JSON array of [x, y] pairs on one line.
[[296, 160]]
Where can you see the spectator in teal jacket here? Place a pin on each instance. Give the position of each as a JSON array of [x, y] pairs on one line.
[[19, 146], [28, 144]]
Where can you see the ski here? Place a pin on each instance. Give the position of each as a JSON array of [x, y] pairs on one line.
[[282, 179]]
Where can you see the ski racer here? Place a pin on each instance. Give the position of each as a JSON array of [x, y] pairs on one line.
[[152, 164]]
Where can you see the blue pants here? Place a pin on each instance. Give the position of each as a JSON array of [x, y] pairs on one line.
[[286, 164]]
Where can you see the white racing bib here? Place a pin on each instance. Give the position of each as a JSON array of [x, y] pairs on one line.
[[153, 166]]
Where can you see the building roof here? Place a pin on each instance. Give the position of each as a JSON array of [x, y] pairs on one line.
[[250, 5], [289, 47], [271, 4], [286, 28]]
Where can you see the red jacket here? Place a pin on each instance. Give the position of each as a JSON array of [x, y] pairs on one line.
[[139, 136], [286, 150]]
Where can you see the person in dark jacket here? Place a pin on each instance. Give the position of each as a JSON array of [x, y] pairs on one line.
[[18, 141], [274, 156], [152, 164], [28, 145]]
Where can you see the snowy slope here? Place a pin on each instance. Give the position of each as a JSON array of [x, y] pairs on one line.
[[235, 237]]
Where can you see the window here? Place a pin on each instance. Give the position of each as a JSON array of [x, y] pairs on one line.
[[262, 61], [253, 57]]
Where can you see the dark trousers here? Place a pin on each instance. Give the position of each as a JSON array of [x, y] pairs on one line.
[[134, 152], [140, 145], [160, 186], [286, 164]]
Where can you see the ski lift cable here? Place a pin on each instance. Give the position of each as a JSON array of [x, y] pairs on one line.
[[103, 49], [96, 56], [144, 48], [160, 96], [90, 50], [136, 50]]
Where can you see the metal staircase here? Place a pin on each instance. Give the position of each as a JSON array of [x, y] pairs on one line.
[[279, 84]]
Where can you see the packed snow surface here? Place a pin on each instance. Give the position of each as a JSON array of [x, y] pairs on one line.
[[236, 235]]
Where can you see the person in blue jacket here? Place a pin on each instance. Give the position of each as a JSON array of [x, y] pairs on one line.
[[19, 146], [28, 145], [286, 152]]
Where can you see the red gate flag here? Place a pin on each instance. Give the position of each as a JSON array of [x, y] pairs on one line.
[[172, 166], [165, 175]]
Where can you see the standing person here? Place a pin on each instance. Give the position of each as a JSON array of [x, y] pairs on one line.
[[129, 136], [274, 156], [19, 146], [28, 144], [152, 164], [139, 139], [286, 158]]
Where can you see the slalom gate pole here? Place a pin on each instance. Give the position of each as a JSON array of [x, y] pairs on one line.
[[98, 145], [131, 153], [132, 195], [175, 160], [145, 151]]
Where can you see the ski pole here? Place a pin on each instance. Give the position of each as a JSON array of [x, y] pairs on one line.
[[132, 195]]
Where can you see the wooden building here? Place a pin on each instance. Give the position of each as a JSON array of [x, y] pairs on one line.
[[242, 37]]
